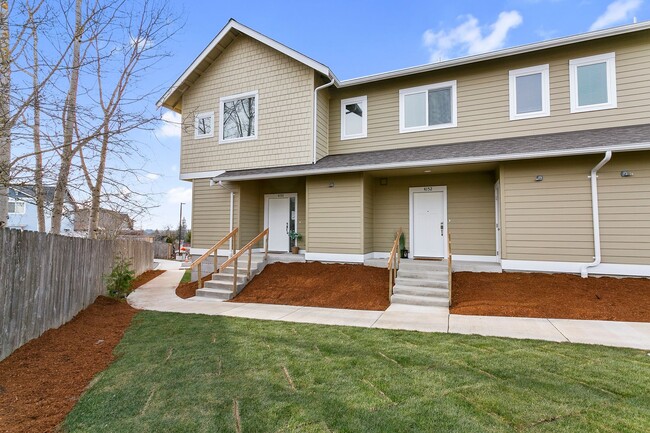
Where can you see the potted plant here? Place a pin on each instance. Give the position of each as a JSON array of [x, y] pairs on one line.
[[295, 237], [404, 253]]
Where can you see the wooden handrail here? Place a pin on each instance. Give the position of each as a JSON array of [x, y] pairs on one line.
[[248, 247], [393, 263], [197, 263], [449, 267]]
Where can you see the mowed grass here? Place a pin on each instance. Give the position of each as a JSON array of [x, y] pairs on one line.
[[191, 373], [187, 277]]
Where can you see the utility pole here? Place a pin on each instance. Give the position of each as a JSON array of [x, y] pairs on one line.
[[180, 227]]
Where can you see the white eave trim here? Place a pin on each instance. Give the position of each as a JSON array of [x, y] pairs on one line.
[[201, 175], [498, 54], [443, 162], [232, 24]]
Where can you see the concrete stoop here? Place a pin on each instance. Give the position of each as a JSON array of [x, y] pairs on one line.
[[424, 283], [221, 285]]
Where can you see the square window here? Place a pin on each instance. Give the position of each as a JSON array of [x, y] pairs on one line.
[[238, 117], [354, 118], [593, 83], [428, 107], [16, 207], [529, 93], [204, 125]]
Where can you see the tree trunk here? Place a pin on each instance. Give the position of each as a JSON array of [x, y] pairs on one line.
[[69, 122], [5, 130], [96, 189], [38, 169]]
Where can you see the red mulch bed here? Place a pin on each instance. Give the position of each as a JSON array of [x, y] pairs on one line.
[[559, 296], [42, 380], [317, 284]]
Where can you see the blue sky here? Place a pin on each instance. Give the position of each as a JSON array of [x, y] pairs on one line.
[[365, 37]]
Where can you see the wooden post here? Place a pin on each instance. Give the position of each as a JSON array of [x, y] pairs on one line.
[[216, 261], [198, 269], [250, 256], [266, 246], [234, 279]]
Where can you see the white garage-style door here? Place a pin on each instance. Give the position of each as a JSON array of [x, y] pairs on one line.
[[428, 228]]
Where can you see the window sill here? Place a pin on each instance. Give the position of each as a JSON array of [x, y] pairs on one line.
[[598, 107], [427, 128], [237, 140]]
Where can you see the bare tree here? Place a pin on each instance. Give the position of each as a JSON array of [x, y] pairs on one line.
[[5, 133]]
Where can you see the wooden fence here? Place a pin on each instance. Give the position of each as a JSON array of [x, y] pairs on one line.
[[163, 250], [45, 280]]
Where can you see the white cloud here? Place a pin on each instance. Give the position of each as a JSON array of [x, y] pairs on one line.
[[152, 176], [469, 38], [617, 11], [179, 195], [171, 125]]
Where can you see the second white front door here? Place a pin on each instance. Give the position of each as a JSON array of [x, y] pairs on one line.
[[428, 222], [279, 214]]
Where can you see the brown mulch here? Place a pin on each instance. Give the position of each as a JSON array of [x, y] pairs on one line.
[[187, 290], [559, 296], [41, 381], [316, 284], [144, 278]]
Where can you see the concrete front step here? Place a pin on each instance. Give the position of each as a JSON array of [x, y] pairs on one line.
[[220, 277], [215, 292], [225, 285], [419, 300], [421, 291], [429, 275], [423, 265], [421, 282]]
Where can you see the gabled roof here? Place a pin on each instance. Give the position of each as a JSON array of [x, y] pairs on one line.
[[29, 191], [625, 138], [172, 97]]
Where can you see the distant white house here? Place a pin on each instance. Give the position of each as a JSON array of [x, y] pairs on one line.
[[22, 209]]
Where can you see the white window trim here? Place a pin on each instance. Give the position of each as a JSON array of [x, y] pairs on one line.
[[546, 103], [225, 99], [364, 119], [196, 125], [24, 206], [610, 59], [412, 90]]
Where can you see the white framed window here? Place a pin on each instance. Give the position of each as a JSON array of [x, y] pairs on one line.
[[354, 118], [427, 107], [204, 125], [16, 207], [238, 117], [593, 83], [529, 93]]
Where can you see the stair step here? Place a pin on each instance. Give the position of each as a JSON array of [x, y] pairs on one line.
[[215, 293], [424, 266], [430, 275], [228, 278], [224, 285], [421, 291], [422, 282], [419, 300]]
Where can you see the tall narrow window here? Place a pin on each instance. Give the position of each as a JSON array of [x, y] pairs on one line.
[[593, 83], [529, 92], [204, 125], [16, 207], [238, 117], [428, 107], [354, 119]]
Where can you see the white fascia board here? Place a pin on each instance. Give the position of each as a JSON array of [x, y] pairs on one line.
[[201, 175], [497, 54], [443, 162], [232, 24]]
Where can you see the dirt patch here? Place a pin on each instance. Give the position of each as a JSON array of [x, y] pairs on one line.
[[559, 296], [187, 290], [42, 380], [317, 284], [144, 278]]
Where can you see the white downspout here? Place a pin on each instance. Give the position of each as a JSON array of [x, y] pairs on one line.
[[315, 131], [584, 272]]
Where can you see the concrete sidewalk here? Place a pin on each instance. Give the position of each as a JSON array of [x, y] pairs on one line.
[[159, 295]]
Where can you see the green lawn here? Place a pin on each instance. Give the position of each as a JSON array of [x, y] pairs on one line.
[[191, 373], [187, 277]]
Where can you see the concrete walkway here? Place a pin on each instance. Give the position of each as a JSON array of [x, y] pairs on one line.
[[159, 295]]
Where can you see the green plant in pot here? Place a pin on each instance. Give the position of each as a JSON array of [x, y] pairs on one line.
[[295, 237], [404, 253]]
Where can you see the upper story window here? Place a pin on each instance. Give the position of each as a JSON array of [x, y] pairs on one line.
[[529, 92], [16, 207], [354, 118], [204, 125], [593, 83], [238, 114], [427, 107]]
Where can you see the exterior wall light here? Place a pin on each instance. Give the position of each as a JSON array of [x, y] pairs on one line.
[[539, 178], [626, 173], [383, 181], [331, 185]]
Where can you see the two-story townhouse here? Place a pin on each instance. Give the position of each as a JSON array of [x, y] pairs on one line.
[[537, 157]]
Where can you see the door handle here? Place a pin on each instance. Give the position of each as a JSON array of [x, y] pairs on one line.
[[287, 228], [442, 229]]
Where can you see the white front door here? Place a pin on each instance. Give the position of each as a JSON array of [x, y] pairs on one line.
[[428, 222], [497, 212], [279, 213]]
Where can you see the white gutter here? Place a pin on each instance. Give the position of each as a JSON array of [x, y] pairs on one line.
[[315, 124], [584, 271]]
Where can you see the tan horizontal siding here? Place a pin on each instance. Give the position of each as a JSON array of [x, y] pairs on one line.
[[211, 213], [470, 209], [335, 214], [368, 214], [285, 91], [552, 220], [483, 101]]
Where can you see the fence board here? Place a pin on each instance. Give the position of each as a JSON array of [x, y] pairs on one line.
[[45, 280]]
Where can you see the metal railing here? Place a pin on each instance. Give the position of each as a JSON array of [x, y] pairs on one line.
[[248, 247], [214, 249], [393, 263]]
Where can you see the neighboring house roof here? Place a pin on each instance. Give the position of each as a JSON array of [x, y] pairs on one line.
[[209, 55], [108, 220], [626, 138], [172, 98]]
